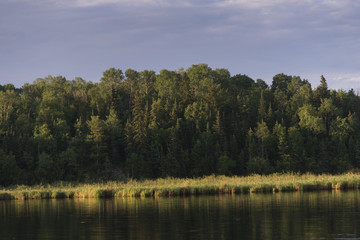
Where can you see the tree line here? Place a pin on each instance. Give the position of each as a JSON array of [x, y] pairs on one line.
[[184, 123]]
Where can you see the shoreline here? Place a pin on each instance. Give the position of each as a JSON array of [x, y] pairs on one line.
[[174, 187]]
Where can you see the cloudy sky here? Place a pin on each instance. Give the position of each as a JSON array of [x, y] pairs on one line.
[[260, 38]]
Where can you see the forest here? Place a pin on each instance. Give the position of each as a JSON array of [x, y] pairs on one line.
[[185, 123]]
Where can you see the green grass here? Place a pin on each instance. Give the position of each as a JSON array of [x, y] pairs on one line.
[[173, 187]]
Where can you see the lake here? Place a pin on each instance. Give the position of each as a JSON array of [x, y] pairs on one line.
[[299, 215]]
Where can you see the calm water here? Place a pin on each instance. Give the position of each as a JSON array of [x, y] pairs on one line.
[[324, 215]]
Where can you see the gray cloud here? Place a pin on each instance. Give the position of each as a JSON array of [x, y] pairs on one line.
[[260, 38]]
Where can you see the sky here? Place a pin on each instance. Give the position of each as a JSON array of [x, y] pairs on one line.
[[259, 38]]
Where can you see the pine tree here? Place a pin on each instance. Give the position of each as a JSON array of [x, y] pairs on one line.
[[262, 108], [139, 121], [97, 139]]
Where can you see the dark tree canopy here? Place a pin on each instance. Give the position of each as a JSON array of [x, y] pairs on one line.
[[184, 123]]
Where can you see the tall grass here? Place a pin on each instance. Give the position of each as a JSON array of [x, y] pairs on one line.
[[172, 187]]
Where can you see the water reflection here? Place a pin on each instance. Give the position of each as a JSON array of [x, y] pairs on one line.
[[317, 215]]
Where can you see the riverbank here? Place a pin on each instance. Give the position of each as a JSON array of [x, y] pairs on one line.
[[169, 187]]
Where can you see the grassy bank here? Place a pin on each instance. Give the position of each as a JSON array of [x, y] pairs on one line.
[[169, 187]]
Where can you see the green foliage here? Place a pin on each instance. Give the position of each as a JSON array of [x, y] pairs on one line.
[[284, 161], [280, 82], [69, 164], [309, 119], [259, 165], [135, 165], [112, 77], [8, 169], [196, 113], [46, 169], [172, 187], [183, 123], [322, 91], [97, 140], [167, 84], [225, 165]]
